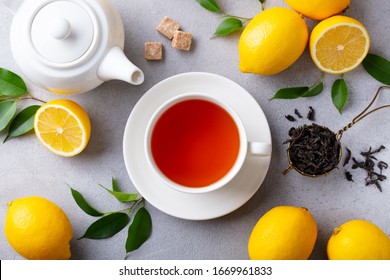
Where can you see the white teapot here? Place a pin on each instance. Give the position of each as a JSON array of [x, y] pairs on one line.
[[70, 46]]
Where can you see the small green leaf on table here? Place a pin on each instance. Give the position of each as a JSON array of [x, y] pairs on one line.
[[84, 205], [314, 90], [107, 226], [23, 122], [7, 112], [262, 4], [378, 67], [114, 184], [209, 5], [139, 230], [290, 93], [228, 26], [296, 92], [339, 94], [121, 196], [11, 84]]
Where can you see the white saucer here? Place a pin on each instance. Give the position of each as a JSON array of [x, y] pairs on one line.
[[196, 206]]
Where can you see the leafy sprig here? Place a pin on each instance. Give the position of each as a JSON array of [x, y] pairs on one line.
[[111, 223], [12, 90], [231, 23]]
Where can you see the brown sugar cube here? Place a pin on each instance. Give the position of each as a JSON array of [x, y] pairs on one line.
[[182, 40], [153, 51], [167, 26]]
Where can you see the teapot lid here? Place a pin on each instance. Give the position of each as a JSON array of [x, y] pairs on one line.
[[62, 31]]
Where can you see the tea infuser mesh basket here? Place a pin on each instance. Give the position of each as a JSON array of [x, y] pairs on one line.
[[338, 136]]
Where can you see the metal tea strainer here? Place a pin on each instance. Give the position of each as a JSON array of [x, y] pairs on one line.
[[338, 136]]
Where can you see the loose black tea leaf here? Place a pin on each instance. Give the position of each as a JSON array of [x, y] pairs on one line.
[[297, 113], [313, 149], [290, 118], [378, 186], [348, 157], [348, 175], [382, 165], [310, 115], [357, 164]]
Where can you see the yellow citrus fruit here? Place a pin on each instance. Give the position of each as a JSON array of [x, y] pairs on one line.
[[272, 41], [339, 44], [318, 9], [358, 240], [283, 233], [63, 127], [38, 229]]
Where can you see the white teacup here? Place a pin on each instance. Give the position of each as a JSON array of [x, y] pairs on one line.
[[245, 147]]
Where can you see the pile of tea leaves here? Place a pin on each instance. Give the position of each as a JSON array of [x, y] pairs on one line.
[[313, 149], [371, 165]]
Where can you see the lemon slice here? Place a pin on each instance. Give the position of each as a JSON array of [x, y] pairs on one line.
[[339, 44], [63, 127]]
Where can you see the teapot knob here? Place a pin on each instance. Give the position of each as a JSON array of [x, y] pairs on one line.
[[61, 29]]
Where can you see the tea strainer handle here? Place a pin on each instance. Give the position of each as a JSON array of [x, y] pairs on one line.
[[364, 113]]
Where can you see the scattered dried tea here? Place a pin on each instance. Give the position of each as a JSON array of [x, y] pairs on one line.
[[296, 112], [348, 157], [348, 175], [313, 149], [310, 115], [290, 118], [374, 177]]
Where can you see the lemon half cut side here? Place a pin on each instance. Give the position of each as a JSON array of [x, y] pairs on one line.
[[63, 127], [339, 44]]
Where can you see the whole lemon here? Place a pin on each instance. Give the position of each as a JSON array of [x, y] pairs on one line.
[[272, 41], [358, 240], [283, 233], [318, 9], [38, 229]]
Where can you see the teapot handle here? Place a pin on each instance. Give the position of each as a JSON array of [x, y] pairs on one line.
[[11, 5]]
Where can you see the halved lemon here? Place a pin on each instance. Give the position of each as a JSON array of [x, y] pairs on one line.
[[339, 44], [63, 127]]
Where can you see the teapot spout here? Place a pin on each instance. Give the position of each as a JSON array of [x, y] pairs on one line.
[[12, 5], [116, 66]]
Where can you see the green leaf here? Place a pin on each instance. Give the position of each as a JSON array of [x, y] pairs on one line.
[[121, 196], [114, 184], [314, 90], [262, 1], [22, 123], [228, 26], [84, 205], [11, 84], [209, 5], [378, 67], [107, 226], [290, 93], [7, 111], [339, 94], [139, 230]]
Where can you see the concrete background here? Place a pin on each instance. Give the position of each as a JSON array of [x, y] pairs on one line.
[[27, 168]]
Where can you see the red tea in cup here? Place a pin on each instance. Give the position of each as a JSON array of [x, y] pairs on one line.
[[195, 143]]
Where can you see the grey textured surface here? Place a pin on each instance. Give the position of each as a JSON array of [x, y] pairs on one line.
[[27, 168]]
